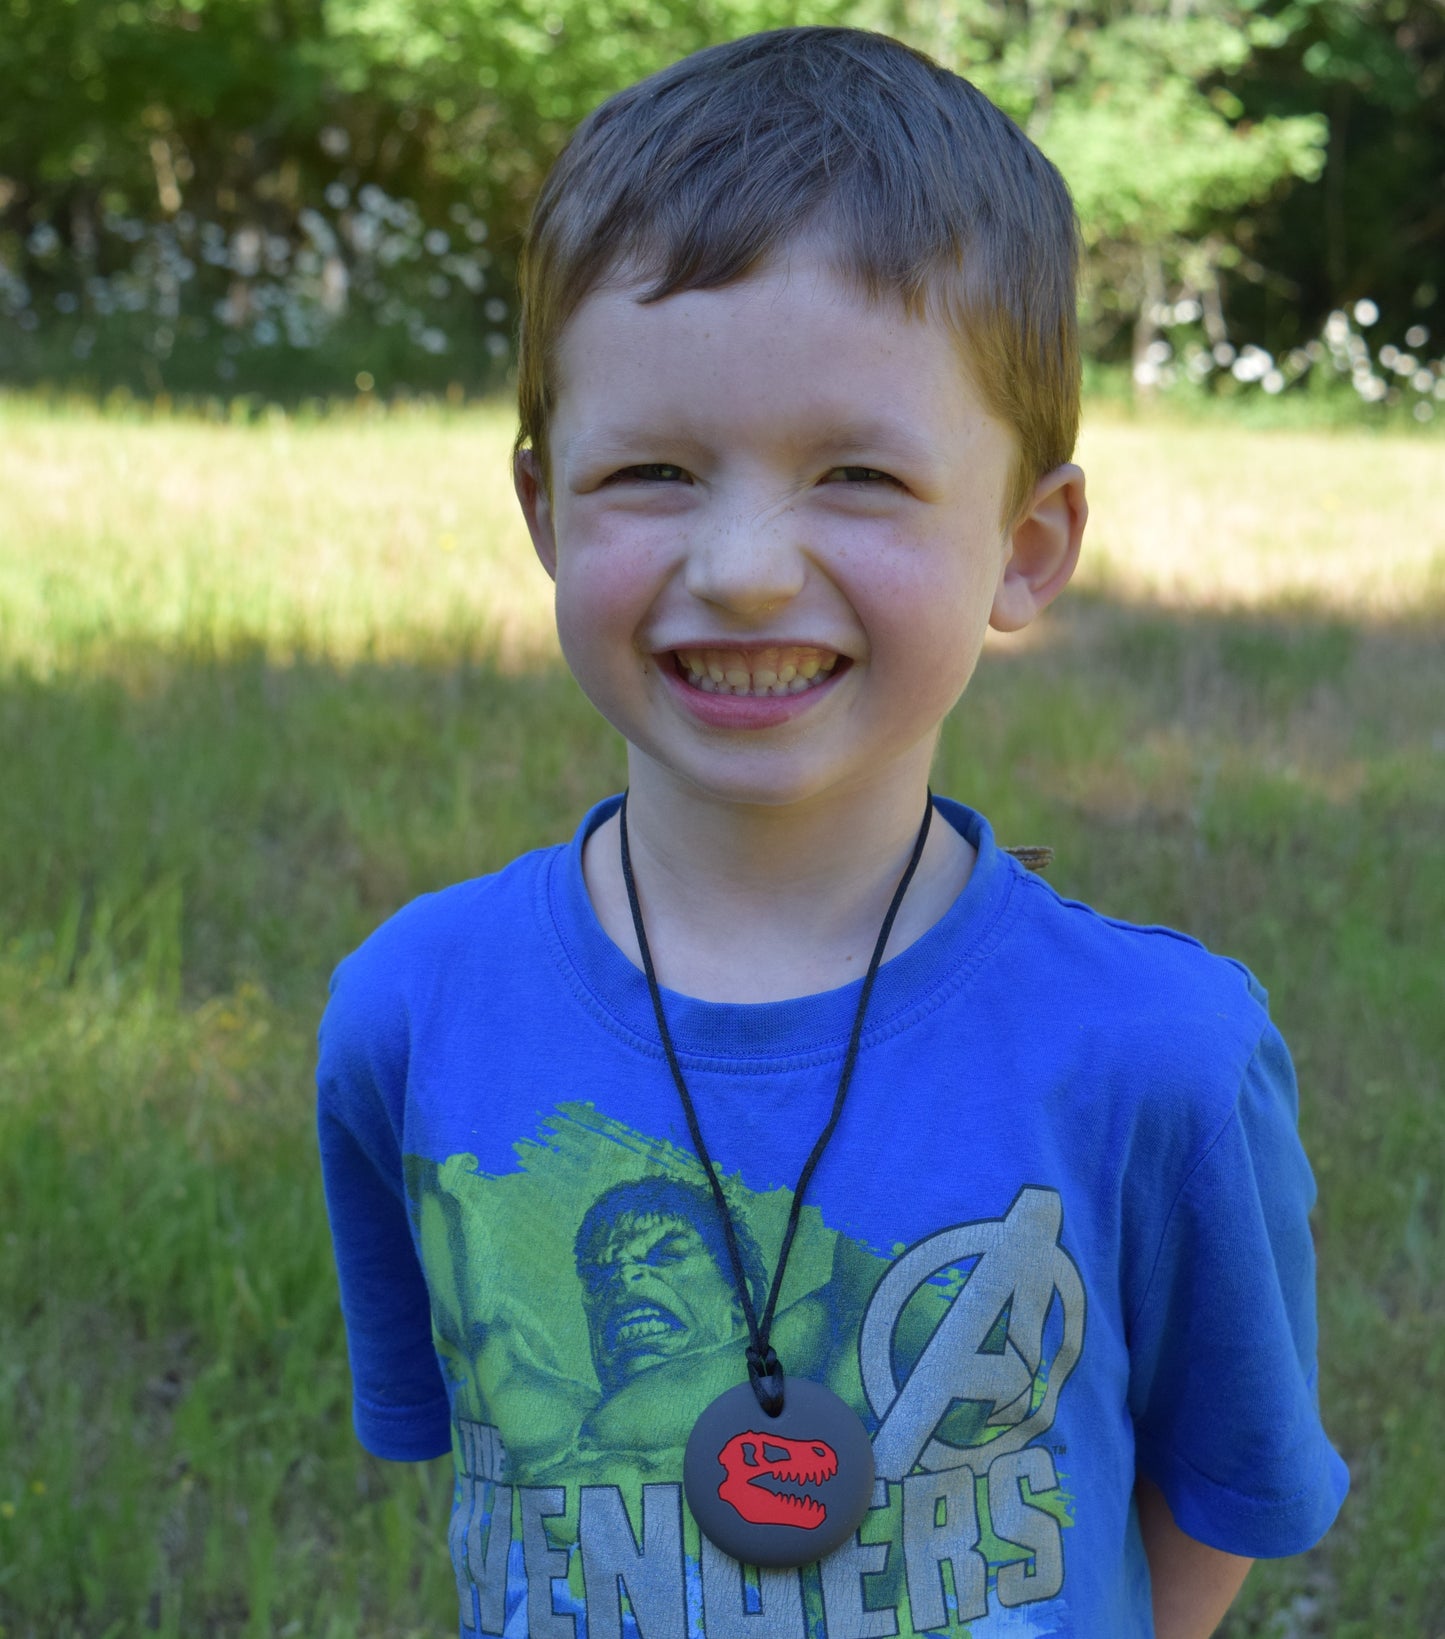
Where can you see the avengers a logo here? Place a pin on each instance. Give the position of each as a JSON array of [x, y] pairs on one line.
[[987, 1380], [754, 1463]]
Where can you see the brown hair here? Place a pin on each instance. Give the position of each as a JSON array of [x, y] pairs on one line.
[[918, 185]]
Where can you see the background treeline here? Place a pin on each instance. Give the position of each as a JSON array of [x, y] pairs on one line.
[[299, 196]]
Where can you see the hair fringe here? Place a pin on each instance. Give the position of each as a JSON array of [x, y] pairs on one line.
[[921, 189]]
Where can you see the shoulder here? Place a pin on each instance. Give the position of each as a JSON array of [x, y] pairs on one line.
[[434, 930], [429, 947], [1074, 970], [1151, 1009], [1137, 971], [1174, 1066]]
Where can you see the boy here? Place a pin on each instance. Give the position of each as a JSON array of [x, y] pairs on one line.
[[1015, 1223]]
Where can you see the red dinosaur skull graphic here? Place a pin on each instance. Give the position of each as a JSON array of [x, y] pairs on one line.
[[748, 1459]]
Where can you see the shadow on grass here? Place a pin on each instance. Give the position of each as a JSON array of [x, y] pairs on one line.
[[272, 812], [276, 810], [191, 841]]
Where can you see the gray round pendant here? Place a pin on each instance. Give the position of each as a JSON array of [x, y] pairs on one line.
[[781, 1490]]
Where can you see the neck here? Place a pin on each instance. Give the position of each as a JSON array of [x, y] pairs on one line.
[[752, 902]]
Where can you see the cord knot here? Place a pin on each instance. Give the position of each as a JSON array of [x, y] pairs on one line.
[[766, 1375]]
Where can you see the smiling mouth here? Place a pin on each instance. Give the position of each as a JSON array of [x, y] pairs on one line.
[[758, 673]]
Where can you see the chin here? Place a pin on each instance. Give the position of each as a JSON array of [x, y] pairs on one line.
[[781, 792], [791, 778]]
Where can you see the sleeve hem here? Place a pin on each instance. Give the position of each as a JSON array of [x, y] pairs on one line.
[[404, 1434], [1255, 1527]]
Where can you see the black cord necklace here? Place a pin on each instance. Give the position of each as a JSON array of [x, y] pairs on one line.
[[807, 1438]]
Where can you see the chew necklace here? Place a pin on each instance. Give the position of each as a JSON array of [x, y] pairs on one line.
[[759, 1437]]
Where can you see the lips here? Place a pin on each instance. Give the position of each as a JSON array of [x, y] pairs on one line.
[[735, 709]]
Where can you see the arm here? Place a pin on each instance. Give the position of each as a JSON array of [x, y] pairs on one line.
[[1194, 1585], [1223, 1363], [399, 1398]]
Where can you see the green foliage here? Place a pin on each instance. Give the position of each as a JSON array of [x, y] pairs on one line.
[[496, 86], [1272, 160], [93, 91], [1374, 226], [1133, 106]]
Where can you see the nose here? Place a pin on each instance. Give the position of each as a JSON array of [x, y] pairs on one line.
[[747, 562]]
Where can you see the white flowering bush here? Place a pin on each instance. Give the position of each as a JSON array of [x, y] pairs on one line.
[[359, 278], [362, 291], [1343, 358]]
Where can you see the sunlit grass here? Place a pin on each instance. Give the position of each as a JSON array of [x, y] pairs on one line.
[[261, 684], [1229, 518], [368, 534], [340, 537]]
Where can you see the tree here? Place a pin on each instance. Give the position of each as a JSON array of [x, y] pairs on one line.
[[1134, 103], [1248, 162], [1374, 224], [496, 86]]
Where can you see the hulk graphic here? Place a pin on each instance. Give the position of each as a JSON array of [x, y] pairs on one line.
[[656, 1278], [631, 1324], [584, 1308]]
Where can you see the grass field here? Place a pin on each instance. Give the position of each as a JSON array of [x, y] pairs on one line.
[[260, 684]]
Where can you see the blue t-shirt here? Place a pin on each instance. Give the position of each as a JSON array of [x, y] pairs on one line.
[[1059, 1237]]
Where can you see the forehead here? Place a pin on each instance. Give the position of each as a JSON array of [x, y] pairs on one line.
[[793, 348]]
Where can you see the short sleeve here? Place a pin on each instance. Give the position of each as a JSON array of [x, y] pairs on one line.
[[399, 1399], [1223, 1344]]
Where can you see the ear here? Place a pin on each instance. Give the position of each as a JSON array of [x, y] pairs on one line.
[[536, 507], [1043, 549]]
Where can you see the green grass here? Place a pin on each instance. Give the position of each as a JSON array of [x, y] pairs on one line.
[[259, 684]]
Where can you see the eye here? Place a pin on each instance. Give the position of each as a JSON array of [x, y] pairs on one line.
[[650, 472], [864, 475], [672, 1250]]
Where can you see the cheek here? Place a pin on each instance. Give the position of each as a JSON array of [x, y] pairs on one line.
[[607, 582], [931, 606], [597, 611], [928, 624]]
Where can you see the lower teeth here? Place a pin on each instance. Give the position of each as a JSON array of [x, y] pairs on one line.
[[799, 685]]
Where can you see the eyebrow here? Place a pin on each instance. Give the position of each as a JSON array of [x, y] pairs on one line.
[[615, 443], [872, 434], [866, 434]]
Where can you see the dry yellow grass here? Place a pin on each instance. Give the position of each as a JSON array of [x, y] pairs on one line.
[[367, 535], [1347, 523], [357, 535]]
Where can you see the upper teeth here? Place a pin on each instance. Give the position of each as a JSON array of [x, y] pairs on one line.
[[766, 671]]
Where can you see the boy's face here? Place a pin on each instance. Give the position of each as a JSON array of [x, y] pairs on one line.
[[774, 526]]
